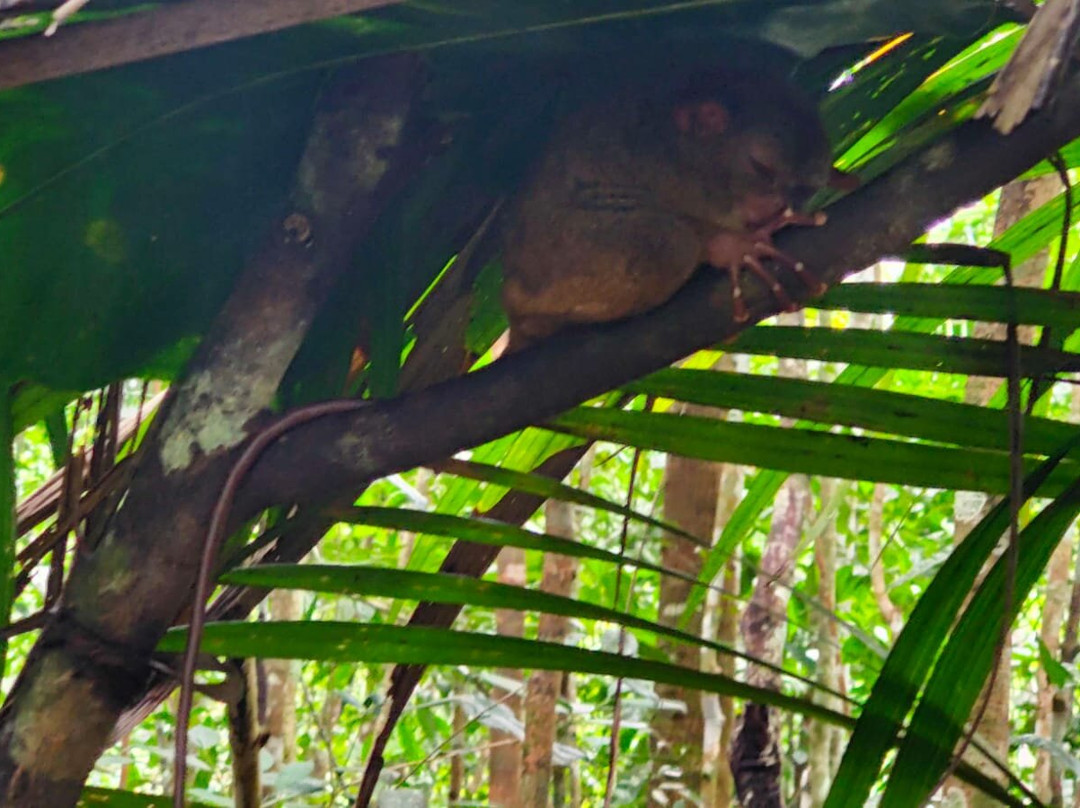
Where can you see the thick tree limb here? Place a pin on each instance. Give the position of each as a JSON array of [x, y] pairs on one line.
[[170, 28], [93, 659]]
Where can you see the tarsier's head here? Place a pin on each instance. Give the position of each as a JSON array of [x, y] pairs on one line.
[[761, 136]]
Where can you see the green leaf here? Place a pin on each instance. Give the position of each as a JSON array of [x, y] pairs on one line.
[[957, 302], [895, 349], [965, 663], [852, 457], [414, 645], [482, 531], [922, 107], [32, 403], [1056, 673], [906, 668], [548, 488], [93, 797], [901, 414], [443, 588]]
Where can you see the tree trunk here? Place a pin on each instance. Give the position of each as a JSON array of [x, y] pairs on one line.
[[1061, 702], [722, 611], [542, 692], [756, 750], [691, 490], [755, 755], [874, 548], [823, 738], [244, 731], [1017, 199], [285, 604], [1063, 698], [504, 789], [1055, 600], [456, 791]]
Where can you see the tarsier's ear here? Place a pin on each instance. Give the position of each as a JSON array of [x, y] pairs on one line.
[[701, 118]]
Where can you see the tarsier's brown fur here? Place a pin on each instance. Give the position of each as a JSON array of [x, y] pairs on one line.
[[632, 194]]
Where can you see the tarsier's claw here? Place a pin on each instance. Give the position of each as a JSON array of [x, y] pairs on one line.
[[810, 280], [739, 313], [754, 264], [816, 286], [738, 307]]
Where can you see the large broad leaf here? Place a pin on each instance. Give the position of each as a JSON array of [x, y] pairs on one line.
[[444, 588], [129, 200], [966, 661], [114, 798], [414, 645], [488, 532], [853, 457], [908, 664], [898, 349], [946, 422]]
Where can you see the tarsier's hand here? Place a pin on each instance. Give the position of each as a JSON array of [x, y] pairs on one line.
[[735, 251]]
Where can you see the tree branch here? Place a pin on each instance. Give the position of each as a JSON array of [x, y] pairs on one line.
[[170, 28]]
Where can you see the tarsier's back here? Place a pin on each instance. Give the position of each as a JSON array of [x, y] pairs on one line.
[[635, 190]]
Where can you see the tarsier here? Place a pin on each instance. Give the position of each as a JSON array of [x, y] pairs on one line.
[[633, 194]]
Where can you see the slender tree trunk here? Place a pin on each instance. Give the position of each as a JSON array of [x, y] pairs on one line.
[[1061, 702], [1055, 600], [505, 760], [285, 604], [457, 761], [542, 692], [568, 792], [823, 742], [1017, 199], [691, 490], [722, 624], [875, 549], [244, 730], [755, 756], [1063, 699]]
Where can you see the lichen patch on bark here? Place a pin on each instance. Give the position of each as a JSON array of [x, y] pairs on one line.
[[44, 736], [215, 407]]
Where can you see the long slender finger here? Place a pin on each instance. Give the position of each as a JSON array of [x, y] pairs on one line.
[[790, 216], [754, 265], [812, 282]]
